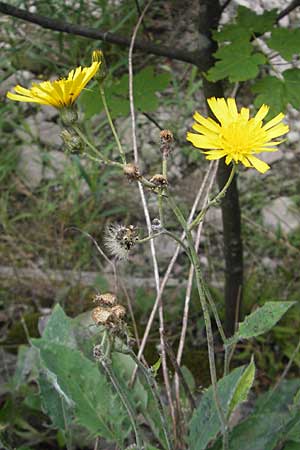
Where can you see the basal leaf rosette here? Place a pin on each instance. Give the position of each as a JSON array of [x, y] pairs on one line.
[[235, 135]]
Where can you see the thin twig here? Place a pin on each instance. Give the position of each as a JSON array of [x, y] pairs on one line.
[[147, 216], [196, 58], [180, 375], [170, 268], [207, 183], [109, 261]]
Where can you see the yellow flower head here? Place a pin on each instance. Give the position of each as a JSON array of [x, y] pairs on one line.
[[58, 93], [236, 136]]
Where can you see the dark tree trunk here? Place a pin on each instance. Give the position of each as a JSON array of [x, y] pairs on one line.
[[231, 214]]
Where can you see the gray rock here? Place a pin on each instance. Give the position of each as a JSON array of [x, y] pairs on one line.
[[48, 112], [271, 157], [281, 213], [49, 134], [34, 130], [30, 166], [293, 137], [20, 77], [213, 218], [56, 163], [29, 132]]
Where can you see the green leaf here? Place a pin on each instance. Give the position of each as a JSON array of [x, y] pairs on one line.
[[59, 328], [291, 446], [243, 387], [78, 379], [285, 41], [146, 84], [237, 62], [261, 320], [292, 83], [205, 423], [54, 404], [247, 23], [271, 91], [271, 422], [278, 93]]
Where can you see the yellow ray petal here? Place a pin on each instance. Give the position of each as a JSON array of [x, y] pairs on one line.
[[232, 108], [274, 121], [201, 141], [261, 113], [259, 165], [209, 123]]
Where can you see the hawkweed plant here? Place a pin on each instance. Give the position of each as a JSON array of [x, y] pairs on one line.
[[232, 135]]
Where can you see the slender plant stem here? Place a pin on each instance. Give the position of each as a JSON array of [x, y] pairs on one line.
[[180, 375], [210, 341], [154, 390], [213, 167], [123, 399], [148, 221], [206, 187], [111, 124], [215, 200], [92, 147]]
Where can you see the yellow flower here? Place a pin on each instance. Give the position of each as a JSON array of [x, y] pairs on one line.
[[58, 93], [235, 136]]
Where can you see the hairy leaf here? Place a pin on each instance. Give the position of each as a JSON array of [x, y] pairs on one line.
[[243, 387], [261, 320], [271, 422], [205, 423], [54, 404], [285, 41], [77, 378], [237, 62], [59, 328]]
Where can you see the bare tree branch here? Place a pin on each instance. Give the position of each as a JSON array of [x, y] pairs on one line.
[[198, 57], [293, 5]]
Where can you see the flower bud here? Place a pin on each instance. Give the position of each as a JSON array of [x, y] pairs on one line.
[[68, 116], [98, 56], [72, 141]]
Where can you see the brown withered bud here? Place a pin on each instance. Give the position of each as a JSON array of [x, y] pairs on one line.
[[107, 299], [119, 311], [159, 180], [131, 171], [166, 142], [103, 316]]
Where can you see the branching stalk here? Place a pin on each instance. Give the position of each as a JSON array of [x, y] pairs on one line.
[[111, 124], [215, 200]]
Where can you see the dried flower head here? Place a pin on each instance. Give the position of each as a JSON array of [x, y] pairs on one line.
[[159, 180], [103, 316], [107, 299], [156, 225], [119, 311], [166, 142], [131, 171], [120, 239]]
